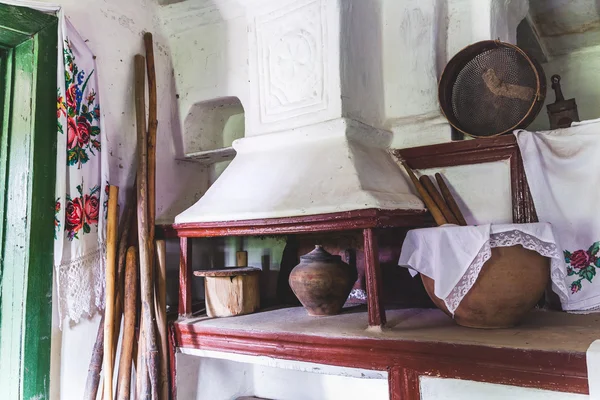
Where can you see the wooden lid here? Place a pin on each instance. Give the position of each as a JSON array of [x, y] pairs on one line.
[[228, 272]]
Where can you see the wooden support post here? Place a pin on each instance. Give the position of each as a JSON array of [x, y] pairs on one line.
[[185, 277], [404, 384], [373, 277]]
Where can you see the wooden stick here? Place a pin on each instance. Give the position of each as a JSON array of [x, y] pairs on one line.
[[439, 200], [152, 128], [429, 203], [124, 384], [109, 321], [450, 200], [142, 378], [93, 378], [161, 315], [146, 248], [124, 237]]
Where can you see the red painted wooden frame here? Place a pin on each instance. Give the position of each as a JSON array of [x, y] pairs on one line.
[[341, 221], [479, 151], [404, 360]]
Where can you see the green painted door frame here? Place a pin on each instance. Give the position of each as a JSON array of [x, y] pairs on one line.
[[28, 56]]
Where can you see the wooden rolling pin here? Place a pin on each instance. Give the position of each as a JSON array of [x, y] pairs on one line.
[[450, 200], [439, 200], [429, 203]]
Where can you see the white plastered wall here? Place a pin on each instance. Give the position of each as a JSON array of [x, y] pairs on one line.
[[113, 30], [454, 389], [579, 73], [225, 376], [418, 37]]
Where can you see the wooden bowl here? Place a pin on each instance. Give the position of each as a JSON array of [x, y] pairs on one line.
[[509, 285]]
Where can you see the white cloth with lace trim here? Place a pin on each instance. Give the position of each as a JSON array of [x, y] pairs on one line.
[[563, 172], [453, 255]]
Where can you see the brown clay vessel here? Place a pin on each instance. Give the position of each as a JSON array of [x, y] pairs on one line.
[[322, 282], [508, 286]]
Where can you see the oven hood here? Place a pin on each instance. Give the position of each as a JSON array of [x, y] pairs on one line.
[[339, 165]]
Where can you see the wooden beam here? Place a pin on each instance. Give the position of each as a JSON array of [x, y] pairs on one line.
[[542, 369], [341, 221]]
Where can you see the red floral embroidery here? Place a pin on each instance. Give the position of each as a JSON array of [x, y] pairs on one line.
[[72, 133], [81, 212], [583, 264], [74, 215], [72, 96], [92, 208]]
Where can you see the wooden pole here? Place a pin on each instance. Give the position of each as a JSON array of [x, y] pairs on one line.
[[152, 128], [450, 200], [142, 378], [146, 248], [438, 199], [130, 304], [124, 236], [161, 315], [429, 203], [109, 320], [93, 378]]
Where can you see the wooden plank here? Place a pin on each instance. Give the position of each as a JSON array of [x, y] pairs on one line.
[[38, 307], [28, 158], [6, 76], [16, 244], [341, 221], [23, 20]]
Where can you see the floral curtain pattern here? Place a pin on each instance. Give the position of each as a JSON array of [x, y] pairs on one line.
[[81, 181]]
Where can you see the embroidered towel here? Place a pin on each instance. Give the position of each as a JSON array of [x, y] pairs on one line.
[[81, 181], [563, 172], [453, 255]]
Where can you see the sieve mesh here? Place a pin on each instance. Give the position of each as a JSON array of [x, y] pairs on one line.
[[493, 92]]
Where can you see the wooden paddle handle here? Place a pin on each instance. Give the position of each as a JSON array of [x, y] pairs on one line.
[[429, 203], [109, 317], [438, 199], [450, 200]]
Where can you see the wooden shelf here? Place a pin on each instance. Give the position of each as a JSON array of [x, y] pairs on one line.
[[366, 220], [208, 157], [547, 351], [541, 331]]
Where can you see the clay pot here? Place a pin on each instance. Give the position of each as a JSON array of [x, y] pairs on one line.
[[322, 282], [509, 285]]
